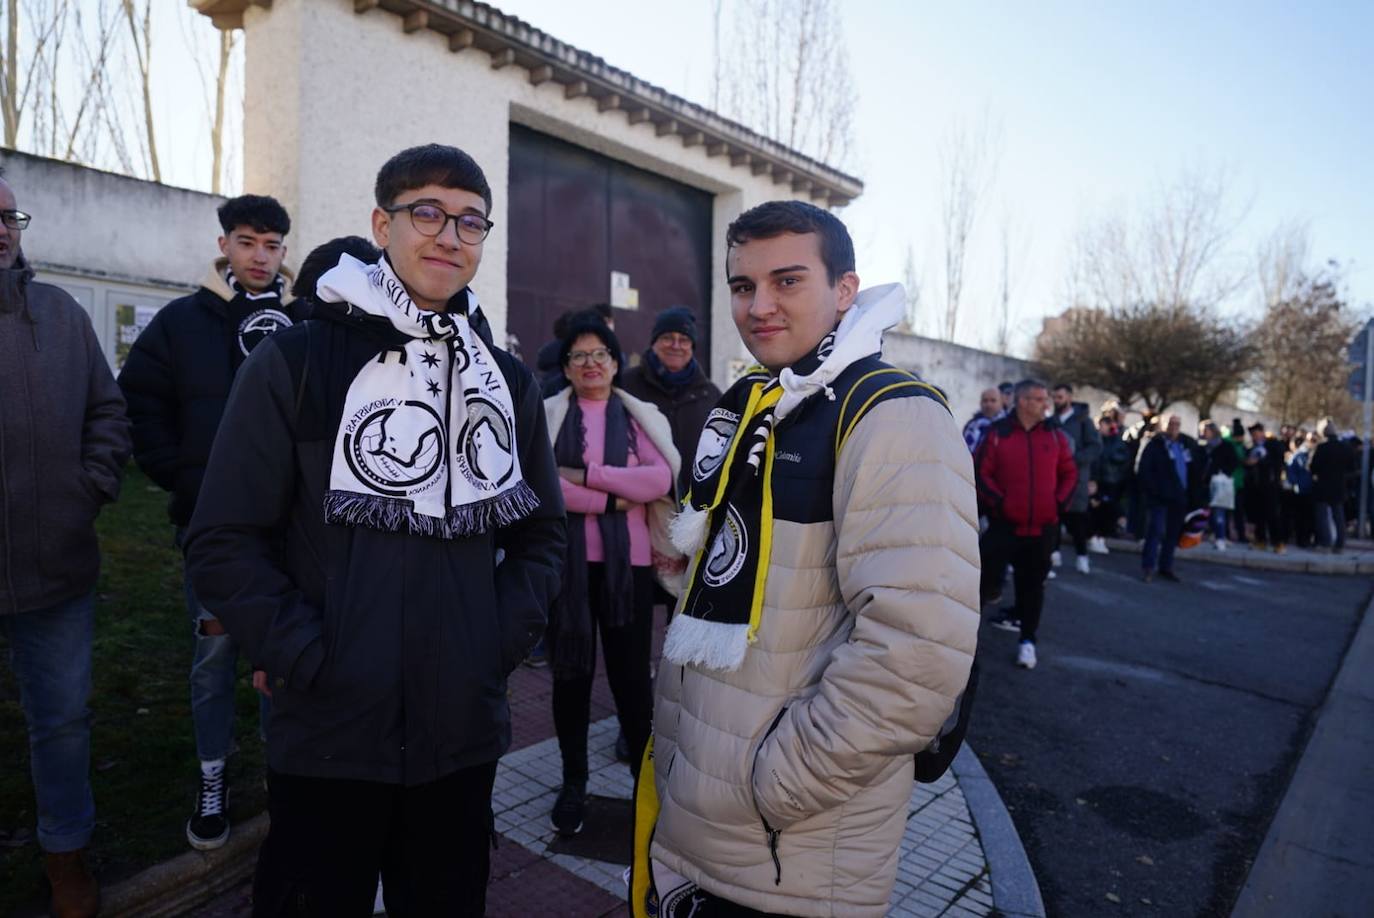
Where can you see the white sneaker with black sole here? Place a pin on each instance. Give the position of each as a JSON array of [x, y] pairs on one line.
[[208, 828], [1098, 546], [1025, 655]]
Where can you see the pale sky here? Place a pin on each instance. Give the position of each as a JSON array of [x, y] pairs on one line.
[[1096, 105]]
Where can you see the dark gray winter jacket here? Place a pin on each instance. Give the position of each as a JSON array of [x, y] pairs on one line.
[[63, 444], [1087, 446]]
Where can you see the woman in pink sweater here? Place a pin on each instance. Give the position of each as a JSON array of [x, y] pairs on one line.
[[611, 469]]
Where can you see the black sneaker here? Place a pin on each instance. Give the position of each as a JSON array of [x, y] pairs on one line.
[[569, 808], [209, 827]]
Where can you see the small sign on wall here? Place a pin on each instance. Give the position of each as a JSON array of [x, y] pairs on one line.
[[130, 320], [623, 296]]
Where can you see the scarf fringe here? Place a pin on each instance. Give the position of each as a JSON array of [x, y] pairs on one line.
[[712, 645], [398, 514], [687, 530]]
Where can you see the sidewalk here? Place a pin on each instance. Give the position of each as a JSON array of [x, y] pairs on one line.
[[961, 856], [1358, 557], [1318, 856]]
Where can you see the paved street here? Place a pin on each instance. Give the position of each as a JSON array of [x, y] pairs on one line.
[[1143, 759]]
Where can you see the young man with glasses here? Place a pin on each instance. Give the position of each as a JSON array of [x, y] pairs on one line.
[[63, 444], [381, 528], [177, 379]]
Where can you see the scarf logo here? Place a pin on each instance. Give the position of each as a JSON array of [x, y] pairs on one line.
[[258, 325], [395, 447], [714, 444], [486, 451], [728, 551]]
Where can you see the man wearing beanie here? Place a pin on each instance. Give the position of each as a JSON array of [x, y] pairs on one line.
[[671, 379]]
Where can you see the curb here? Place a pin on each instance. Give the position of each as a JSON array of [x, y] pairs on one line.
[[1015, 891], [194, 878], [1316, 857], [1340, 565]]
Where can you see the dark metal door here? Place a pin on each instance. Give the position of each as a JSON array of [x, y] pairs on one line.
[[576, 216]]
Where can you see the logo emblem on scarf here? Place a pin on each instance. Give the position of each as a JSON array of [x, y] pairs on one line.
[[714, 443], [394, 447], [486, 451], [258, 326], [726, 557]]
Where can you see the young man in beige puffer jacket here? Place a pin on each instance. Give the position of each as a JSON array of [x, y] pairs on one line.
[[784, 739]]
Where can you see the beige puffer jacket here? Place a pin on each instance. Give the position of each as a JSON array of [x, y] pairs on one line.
[[869, 627]]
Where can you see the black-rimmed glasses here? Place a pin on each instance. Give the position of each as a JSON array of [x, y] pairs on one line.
[[430, 220], [15, 219]]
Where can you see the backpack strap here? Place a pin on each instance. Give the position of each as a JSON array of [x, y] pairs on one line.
[[875, 386]]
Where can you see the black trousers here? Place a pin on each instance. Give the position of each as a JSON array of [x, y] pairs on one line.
[[1262, 507], [626, 651], [1029, 557], [1078, 525], [330, 838]]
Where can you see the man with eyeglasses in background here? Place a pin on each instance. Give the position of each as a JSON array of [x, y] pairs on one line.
[[63, 444], [381, 528], [177, 379]]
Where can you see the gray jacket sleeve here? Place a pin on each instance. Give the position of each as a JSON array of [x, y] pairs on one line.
[[105, 444]]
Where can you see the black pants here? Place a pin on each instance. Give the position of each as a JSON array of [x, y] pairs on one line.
[[1078, 526], [695, 902], [1107, 511], [1302, 517], [1262, 507], [330, 838], [626, 651], [1029, 557], [1238, 517]]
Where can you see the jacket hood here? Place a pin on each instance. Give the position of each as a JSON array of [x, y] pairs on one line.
[[14, 283], [215, 283], [859, 335]]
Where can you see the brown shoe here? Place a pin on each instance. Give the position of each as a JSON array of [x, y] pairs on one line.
[[74, 890]]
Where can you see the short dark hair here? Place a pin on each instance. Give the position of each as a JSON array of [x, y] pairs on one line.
[[583, 324], [1063, 387], [1026, 385], [430, 164], [560, 324], [258, 212], [777, 218], [324, 257]]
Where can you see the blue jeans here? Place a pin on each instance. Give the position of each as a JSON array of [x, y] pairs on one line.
[[1219, 523], [50, 654], [1164, 524], [214, 672]]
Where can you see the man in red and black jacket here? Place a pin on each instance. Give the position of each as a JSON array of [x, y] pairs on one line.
[[1026, 476]]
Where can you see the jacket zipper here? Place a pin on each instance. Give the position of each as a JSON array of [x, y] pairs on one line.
[[768, 830], [1030, 491]]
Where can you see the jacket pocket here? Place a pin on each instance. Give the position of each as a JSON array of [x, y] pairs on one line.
[[770, 833]]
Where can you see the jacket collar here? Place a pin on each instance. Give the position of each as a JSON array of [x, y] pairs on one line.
[[214, 283]]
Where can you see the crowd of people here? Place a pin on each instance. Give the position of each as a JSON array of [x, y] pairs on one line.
[[1046, 468], [383, 512]]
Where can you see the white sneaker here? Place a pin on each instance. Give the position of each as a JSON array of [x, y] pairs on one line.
[[1025, 655], [378, 905], [1051, 575], [1083, 566], [1221, 544], [1057, 560], [1098, 546]]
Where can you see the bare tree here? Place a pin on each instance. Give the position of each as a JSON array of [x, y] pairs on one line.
[[968, 165], [911, 281], [1173, 253], [1281, 262], [1013, 254], [797, 89], [45, 22], [141, 33]]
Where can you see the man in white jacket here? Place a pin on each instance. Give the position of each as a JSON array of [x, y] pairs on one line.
[[830, 614]]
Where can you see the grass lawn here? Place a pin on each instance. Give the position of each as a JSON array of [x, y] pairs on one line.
[[143, 762]]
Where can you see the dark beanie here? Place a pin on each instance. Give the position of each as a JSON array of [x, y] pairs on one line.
[[675, 319]]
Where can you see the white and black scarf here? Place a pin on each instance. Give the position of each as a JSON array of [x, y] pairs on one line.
[[726, 525], [427, 441]]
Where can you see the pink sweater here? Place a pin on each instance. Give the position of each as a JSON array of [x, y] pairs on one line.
[[644, 479]]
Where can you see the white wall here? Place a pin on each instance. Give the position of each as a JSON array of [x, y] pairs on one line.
[[331, 94]]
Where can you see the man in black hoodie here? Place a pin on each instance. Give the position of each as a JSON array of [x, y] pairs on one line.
[[381, 528], [176, 380]]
